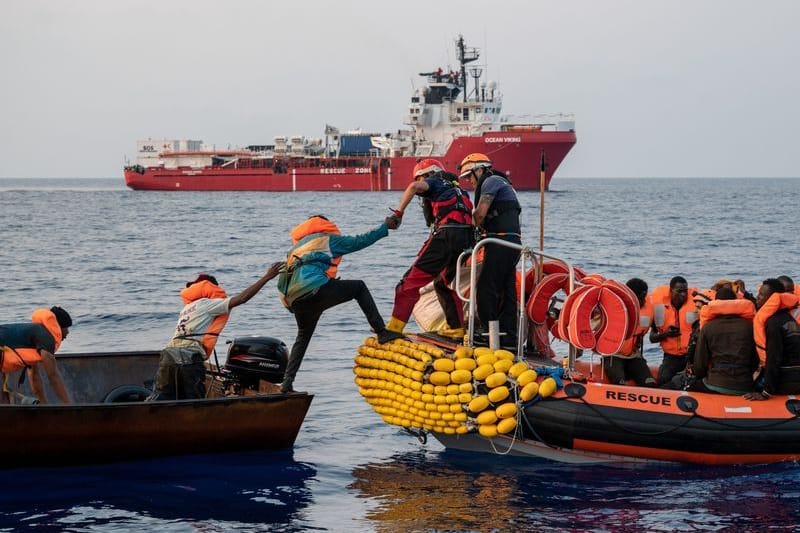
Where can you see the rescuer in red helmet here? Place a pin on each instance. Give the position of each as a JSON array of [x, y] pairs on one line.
[[448, 211]]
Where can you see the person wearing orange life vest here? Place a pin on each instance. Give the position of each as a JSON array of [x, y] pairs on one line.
[[448, 211], [181, 368], [309, 285], [629, 362], [27, 345], [674, 313], [790, 285], [777, 329], [725, 357], [683, 380]]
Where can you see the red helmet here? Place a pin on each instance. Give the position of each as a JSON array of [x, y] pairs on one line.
[[427, 166]]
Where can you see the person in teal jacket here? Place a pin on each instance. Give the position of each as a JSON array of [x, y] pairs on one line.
[[309, 284]]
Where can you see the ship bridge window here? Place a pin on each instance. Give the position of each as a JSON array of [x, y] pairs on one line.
[[466, 113], [415, 99]]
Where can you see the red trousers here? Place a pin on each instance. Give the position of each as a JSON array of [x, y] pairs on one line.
[[436, 261]]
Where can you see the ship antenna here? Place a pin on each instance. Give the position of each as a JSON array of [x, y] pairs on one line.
[[465, 55]]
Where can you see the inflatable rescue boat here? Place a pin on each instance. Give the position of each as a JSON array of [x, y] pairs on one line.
[[529, 402]]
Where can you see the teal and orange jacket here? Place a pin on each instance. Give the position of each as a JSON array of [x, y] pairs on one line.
[[313, 260]]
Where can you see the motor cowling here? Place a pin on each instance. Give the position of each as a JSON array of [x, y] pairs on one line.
[[251, 359]]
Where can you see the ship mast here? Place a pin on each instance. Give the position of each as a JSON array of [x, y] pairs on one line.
[[466, 55]]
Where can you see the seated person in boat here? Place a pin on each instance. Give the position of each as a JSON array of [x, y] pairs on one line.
[[790, 285], [629, 362], [448, 211], [309, 284], [673, 316], [725, 357], [777, 336], [685, 378], [736, 286], [27, 345], [181, 369]]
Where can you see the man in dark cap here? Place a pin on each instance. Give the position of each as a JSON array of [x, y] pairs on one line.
[[181, 370], [24, 346]]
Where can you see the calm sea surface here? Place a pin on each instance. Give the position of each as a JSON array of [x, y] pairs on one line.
[[117, 259]]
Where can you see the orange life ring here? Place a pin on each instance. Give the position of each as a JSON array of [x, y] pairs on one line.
[[606, 302], [566, 310], [549, 266], [539, 302], [631, 304]]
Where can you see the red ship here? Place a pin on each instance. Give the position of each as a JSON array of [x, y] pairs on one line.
[[455, 114]]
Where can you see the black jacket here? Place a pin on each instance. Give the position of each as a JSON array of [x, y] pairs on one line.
[[726, 353]]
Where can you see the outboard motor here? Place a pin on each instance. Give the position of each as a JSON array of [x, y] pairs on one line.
[[251, 359]]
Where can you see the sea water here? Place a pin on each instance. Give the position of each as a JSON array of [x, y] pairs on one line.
[[117, 260]]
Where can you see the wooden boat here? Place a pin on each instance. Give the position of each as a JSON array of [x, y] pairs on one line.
[[109, 421], [516, 403]]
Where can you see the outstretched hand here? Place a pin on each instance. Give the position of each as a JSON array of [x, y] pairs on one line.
[[392, 221], [275, 269]]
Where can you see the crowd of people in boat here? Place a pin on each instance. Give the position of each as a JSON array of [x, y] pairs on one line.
[[719, 340], [308, 284]]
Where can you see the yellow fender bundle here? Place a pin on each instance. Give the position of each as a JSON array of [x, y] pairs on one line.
[[420, 386]]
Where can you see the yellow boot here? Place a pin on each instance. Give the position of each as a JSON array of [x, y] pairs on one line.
[[452, 333], [392, 331], [395, 324]]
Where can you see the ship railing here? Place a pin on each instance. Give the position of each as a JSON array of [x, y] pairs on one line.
[[550, 122], [527, 254]]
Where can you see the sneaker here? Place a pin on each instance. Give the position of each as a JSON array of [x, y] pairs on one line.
[[385, 336]]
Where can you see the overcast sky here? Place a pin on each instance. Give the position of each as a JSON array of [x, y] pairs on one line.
[[659, 88]]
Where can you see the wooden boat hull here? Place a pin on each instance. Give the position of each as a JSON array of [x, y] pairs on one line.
[[91, 431]]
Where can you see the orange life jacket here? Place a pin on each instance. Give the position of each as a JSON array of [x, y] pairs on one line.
[[631, 345], [206, 289], [714, 308], [776, 302], [18, 358], [309, 227], [683, 318]]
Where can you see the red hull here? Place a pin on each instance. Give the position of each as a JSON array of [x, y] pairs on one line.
[[516, 153]]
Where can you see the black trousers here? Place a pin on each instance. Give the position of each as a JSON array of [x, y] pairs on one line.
[[181, 376], [496, 291], [619, 370], [308, 311], [671, 365]]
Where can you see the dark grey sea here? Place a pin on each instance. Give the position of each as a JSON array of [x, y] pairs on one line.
[[117, 259]]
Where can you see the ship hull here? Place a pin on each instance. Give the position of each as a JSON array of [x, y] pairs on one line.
[[516, 153]]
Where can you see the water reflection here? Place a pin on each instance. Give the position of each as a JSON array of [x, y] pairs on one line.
[[255, 491], [462, 491]]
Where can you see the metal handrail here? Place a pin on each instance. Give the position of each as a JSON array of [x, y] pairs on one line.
[[525, 252]]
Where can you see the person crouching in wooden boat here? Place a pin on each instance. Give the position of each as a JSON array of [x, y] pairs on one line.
[[309, 284], [629, 362], [674, 313], [29, 344], [181, 369], [448, 211], [777, 336], [725, 357]]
